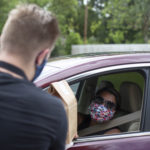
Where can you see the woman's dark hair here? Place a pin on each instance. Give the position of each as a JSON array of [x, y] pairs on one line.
[[112, 91]]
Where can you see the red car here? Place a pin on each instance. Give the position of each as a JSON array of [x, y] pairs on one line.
[[130, 75]]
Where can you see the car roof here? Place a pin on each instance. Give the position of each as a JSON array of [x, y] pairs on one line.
[[62, 68]]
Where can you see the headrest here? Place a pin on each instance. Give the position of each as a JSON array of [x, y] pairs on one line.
[[105, 83], [131, 96]]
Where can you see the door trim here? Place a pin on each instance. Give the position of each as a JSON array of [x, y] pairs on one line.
[[111, 137]]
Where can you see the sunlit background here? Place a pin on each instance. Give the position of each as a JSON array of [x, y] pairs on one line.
[[93, 21]]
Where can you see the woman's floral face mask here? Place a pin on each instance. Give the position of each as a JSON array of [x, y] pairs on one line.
[[100, 113]]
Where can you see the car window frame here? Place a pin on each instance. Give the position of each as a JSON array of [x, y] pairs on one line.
[[145, 126], [119, 68], [107, 70], [110, 137]]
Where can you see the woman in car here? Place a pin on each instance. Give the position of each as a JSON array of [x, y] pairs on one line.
[[102, 109]]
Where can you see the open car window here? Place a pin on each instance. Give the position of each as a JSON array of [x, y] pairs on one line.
[[130, 85]]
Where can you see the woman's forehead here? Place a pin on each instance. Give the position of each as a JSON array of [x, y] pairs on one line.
[[108, 96]]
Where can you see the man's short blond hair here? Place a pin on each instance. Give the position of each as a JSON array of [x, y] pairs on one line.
[[29, 29]]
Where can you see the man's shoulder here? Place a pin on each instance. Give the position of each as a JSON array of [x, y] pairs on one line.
[[34, 98], [38, 93], [40, 96]]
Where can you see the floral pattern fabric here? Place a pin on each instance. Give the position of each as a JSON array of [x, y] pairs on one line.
[[100, 113]]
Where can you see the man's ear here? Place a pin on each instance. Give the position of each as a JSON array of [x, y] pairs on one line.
[[42, 55]]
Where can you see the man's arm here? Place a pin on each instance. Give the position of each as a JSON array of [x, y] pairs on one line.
[[60, 141]]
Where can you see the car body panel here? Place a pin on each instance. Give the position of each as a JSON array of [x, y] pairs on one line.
[[131, 143], [53, 73]]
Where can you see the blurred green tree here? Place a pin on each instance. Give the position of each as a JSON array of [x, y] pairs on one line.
[[109, 21], [130, 17]]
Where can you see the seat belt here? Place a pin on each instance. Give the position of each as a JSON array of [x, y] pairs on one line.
[[112, 123]]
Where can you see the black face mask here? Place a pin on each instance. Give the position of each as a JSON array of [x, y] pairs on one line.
[[13, 68]]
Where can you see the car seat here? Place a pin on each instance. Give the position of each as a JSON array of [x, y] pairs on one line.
[[131, 100]]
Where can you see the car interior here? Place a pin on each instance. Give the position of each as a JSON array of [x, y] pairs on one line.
[[129, 84]]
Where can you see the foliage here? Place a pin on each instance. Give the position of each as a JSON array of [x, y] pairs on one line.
[[72, 38], [66, 12], [117, 36], [59, 49], [5, 7], [63, 45], [109, 21], [129, 16]]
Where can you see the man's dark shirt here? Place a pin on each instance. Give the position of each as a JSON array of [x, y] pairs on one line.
[[30, 119]]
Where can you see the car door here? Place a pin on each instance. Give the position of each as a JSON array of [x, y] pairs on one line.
[[132, 141], [138, 140]]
